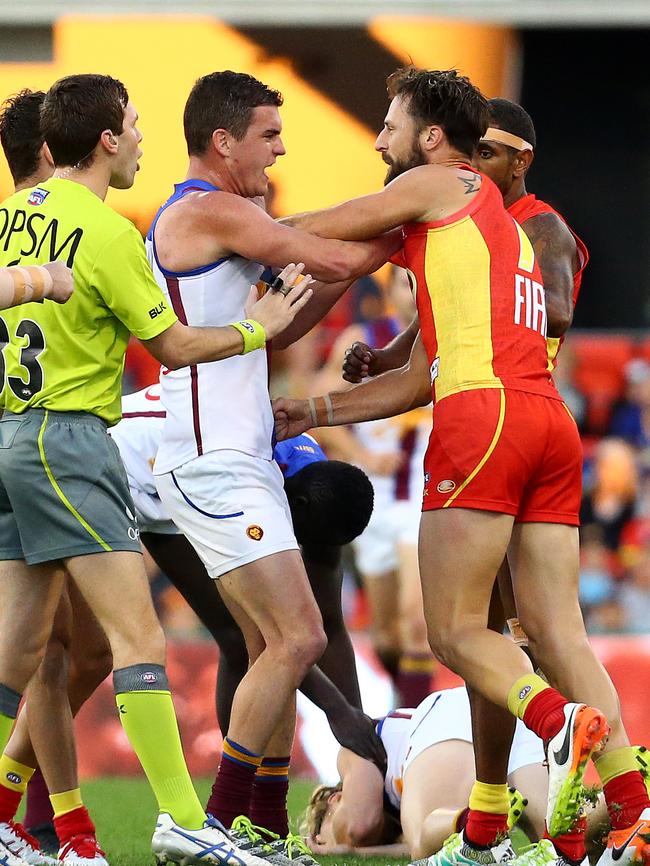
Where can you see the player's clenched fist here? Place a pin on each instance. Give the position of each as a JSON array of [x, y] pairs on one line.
[[292, 417], [286, 296], [62, 284], [359, 362]]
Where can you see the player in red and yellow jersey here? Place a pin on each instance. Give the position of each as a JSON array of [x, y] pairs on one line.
[[504, 461]]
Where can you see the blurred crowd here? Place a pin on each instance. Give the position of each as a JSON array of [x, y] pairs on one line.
[[605, 381]]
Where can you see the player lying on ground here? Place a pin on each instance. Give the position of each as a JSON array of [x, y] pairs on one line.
[[514, 487], [430, 774]]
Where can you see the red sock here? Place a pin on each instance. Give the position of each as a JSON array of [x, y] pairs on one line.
[[626, 797], [269, 799], [75, 823], [39, 808], [544, 715], [233, 787], [9, 803], [483, 828], [414, 676], [572, 844]]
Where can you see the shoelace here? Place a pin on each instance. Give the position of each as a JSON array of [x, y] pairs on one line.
[[537, 854], [296, 843], [244, 826], [22, 837], [83, 845]]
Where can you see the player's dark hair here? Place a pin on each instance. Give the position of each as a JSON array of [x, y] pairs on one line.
[[512, 118], [223, 100], [76, 111], [443, 98], [331, 502], [20, 132]]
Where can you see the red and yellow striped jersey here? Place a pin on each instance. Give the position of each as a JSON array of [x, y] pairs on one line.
[[480, 300], [530, 206]]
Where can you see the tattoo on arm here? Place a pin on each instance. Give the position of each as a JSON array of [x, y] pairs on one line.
[[556, 253], [471, 185]]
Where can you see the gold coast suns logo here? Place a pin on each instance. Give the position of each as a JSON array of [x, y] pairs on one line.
[[255, 532]]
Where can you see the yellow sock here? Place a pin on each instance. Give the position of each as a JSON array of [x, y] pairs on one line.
[[6, 725], [14, 775], [66, 801], [490, 798], [523, 691], [615, 763], [150, 724]]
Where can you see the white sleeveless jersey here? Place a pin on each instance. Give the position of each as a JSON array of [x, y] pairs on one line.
[[407, 434], [221, 404], [442, 716]]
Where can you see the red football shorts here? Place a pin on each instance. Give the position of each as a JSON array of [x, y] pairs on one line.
[[507, 451]]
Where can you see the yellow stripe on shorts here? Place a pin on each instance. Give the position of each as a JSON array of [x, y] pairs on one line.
[[64, 499], [486, 456]]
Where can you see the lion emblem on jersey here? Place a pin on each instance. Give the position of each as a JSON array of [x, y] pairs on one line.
[[255, 532]]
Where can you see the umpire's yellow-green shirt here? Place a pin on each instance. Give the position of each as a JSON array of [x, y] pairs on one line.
[[70, 357]]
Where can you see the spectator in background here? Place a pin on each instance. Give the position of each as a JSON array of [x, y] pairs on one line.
[[635, 593], [610, 493], [596, 573], [631, 418]]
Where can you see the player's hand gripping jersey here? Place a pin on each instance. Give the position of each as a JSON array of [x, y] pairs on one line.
[[70, 358]]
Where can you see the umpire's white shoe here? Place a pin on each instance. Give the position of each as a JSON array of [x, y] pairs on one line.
[[15, 839], [211, 844], [9, 859]]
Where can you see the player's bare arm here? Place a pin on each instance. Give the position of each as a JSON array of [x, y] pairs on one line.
[[206, 226], [180, 345], [556, 251], [20, 285], [324, 297], [391, 394], [361, 360], [359, 817], [422, 194]]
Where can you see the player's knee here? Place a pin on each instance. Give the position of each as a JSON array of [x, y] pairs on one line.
[[52, 670], [133, 646]]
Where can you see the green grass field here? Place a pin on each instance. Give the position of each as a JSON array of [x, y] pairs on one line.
[[124, 812]]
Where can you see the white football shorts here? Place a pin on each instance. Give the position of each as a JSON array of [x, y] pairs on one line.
[[392, 524], [446, 715], [232, 507]]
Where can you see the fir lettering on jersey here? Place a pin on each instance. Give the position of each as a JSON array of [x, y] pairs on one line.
[[44, 238], [530, 304]]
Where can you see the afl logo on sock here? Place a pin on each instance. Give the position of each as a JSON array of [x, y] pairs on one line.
[[149, 677], [254, 532], [14, 778], [525, 691]]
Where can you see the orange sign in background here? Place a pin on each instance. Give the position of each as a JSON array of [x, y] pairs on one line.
[[330, 153]]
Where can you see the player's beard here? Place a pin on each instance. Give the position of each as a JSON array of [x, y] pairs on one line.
[[398, 166]]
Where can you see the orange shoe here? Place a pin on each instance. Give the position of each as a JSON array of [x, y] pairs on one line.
[[585, 731], [629, 845]]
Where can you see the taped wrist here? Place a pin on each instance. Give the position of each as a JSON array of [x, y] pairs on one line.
[[31, 283], [253, 333]]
